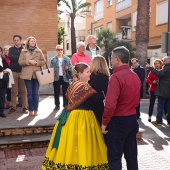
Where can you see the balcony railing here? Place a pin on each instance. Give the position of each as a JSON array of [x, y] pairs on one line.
[[123, 5], [98, 16], [119, 36]]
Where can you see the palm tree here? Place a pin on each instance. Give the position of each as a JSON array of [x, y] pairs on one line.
[[142, 30], [105, 39], [75, 7]]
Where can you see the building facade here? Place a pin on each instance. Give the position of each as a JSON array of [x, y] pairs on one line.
[[79, 24], [36, 18], [120, 17]]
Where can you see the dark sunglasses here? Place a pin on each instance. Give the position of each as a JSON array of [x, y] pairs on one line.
[[59, 49], [134, 62]]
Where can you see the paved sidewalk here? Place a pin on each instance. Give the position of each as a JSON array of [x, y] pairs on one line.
[[153, 149]]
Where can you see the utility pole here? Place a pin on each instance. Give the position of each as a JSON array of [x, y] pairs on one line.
[[168, 50]]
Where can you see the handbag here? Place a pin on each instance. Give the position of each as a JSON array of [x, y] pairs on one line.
[[45, 76], [69, 75]]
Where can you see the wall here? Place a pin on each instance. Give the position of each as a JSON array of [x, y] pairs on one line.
[[36, 18]]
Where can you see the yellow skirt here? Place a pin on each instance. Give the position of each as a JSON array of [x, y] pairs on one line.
[[81, 144]]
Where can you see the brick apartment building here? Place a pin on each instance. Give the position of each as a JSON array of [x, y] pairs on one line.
[[36, 18], [113, 14]]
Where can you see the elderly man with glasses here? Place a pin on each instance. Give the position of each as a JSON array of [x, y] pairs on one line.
[[80, 56], [92, 49]]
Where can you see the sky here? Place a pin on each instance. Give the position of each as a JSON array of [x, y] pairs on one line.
[[63, 5]]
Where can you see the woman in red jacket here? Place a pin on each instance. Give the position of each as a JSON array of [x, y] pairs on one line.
[[152, 80]]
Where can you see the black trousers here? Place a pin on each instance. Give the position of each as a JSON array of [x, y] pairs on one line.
[[2, 99], [57, 85], [121, 139], [151, 103]]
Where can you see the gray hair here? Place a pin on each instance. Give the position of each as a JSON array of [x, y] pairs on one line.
[[80, 44], [58, 46], [90, 36], [123, 53], [6, 47]]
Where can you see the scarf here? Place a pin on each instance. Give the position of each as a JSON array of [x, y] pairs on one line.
[[77, 93], [1, 67], [31, 50]]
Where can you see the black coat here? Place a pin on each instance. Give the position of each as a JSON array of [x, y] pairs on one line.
[[140, 71], [100, 83], [4, 81], [13, 55], [163, 86]]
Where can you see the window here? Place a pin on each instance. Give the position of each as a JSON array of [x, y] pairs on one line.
[[109, 2], [97, 30], [90, 11], [109, 26], [99, 5], [118, 1], [67, 46], [134, 21], [89, 32], [162, 13]]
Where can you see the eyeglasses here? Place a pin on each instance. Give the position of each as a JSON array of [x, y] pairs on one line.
[[134, 62], [16, 40], [59, 49], [92, 38]]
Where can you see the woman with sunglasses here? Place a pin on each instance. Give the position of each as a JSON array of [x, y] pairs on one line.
[[61, 65]]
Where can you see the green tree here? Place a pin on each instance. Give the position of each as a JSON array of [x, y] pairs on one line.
[[107, 41], [60, 33], [142, 30], [73, 8]]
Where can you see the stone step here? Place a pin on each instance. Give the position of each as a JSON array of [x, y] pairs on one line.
[[26, 130], [25, 141]]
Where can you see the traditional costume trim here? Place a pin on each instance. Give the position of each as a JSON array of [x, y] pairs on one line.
[[58, 166], [77, 93], [62, 120]]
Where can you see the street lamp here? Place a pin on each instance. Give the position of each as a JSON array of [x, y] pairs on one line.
[[92, 26]]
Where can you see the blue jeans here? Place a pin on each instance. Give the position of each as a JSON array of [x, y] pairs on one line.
[[162, 101], [32, 94], [152, 102], [121, 138]]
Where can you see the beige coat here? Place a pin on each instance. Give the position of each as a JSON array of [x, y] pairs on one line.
[[28, 71]]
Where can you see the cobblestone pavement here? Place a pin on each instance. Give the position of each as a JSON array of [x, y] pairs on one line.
[[153, 148]]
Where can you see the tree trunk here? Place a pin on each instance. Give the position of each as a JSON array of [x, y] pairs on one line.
[[73, 35], [142, 30], [142, 34]]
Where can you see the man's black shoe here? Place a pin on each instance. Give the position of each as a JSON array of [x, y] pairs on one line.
[[2, 115], [19, 105], [57, 108]]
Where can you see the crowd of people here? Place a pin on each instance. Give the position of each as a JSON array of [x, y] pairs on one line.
[[98, 123]]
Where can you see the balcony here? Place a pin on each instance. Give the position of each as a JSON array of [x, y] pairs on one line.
[[120, 37], [98, 16], [123, 5]]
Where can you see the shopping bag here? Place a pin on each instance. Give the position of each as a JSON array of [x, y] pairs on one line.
[[45, 76]]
